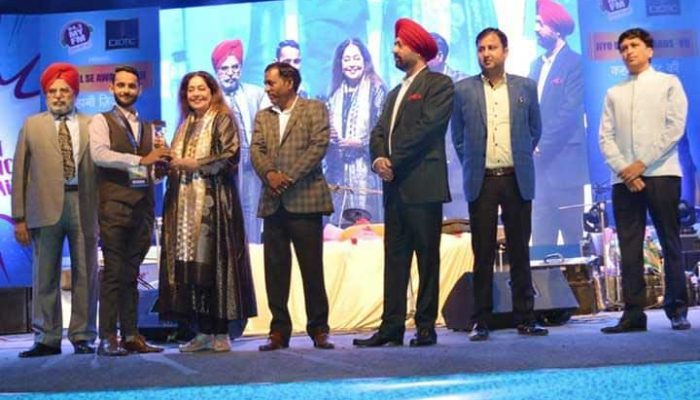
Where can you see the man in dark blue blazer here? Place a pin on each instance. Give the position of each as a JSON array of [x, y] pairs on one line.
[[407, 147], [495, 128], [561, 161]]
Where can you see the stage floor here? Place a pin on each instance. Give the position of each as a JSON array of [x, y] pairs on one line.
[[578, 344]]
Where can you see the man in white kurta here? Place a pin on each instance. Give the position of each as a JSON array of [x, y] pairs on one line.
[[643, 120]]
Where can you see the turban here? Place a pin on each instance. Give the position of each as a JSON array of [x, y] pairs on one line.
[[555, 16], [59, 70], [417, 38], [225, 49]]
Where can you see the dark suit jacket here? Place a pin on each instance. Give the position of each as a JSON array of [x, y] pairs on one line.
[[562, 160], [298, 154], [469, 132], [418, 139]]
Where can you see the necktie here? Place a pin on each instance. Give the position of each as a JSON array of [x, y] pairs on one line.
[[66, 145]]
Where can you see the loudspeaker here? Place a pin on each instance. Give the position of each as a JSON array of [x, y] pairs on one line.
[[554, 300], [15, 310]]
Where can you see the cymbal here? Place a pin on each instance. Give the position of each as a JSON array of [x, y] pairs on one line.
[[354, 214]]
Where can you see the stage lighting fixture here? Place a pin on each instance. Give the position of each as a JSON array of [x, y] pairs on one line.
[[592, 218]]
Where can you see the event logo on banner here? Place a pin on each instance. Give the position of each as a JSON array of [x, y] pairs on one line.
[[122, 34], [76, 36], [667, 44], [95, 80]]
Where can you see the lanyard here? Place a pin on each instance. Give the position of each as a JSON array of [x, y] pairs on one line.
[[125, 124]]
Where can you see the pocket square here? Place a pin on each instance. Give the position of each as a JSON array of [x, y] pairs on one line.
[[415, 96], [557, 81]]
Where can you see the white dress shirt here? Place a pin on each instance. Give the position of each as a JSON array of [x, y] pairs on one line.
[[643, 119], [100, 144], [499, 152], [284, 116]]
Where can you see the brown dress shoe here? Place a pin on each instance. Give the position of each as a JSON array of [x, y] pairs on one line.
[[139, 345], [322, 341], [274, 342], [109, 346]]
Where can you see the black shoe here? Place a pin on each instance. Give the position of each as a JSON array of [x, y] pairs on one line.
[[83, 347], [40, 350], [680, 323], [480, 333], [378, 340], [424, 337], [532, 330], [628, 324]]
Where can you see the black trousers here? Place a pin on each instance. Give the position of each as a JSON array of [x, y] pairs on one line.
[[305, 232], [126, 237], [410, 228], [660, 198], [516, 214]]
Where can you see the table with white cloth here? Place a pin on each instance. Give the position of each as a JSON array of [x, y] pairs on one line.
[[354, 276]]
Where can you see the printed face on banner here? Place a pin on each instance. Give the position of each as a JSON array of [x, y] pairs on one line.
[[60, 98], [229, 73], [291, 56], [198, 94], [491, 53], [126, 88], [353, 63], [546, 36], [636, 55]]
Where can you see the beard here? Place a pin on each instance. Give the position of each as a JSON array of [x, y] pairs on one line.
[[60, 109], [125, 104]]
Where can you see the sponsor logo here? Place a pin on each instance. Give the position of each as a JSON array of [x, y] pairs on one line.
[[122, 34], [616, 8], [663, 7], [76, 36]]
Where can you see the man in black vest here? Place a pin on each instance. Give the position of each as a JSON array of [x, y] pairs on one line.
[[123, 149]]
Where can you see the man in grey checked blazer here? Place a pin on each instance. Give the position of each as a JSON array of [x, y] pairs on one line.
[[289, 141]]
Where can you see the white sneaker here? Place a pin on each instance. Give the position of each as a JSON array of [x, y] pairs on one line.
[[221, 343], [201, 342]]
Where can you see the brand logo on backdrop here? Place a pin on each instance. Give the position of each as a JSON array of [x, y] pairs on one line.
[[122, 34], [663, 7], [667, 44], [616, 8], [76, 36]]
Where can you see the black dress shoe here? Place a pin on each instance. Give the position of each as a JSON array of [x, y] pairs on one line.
[[424, 337], [680, 323], [378, 340], [40, 350], [638, 324], [532, 330], [480, 333], [83, 347]]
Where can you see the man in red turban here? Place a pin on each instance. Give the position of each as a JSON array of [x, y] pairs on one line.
[[67, 72], [416, 37], [561, 160], [407, 149], [54, 198], [555, 16], [245, 101]]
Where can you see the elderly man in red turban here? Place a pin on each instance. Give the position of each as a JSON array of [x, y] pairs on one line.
[[54, 198], [407, 149], [561, 161], [245, 100]]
